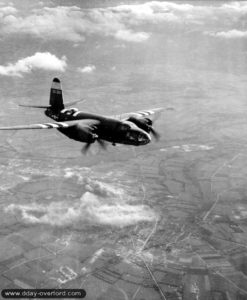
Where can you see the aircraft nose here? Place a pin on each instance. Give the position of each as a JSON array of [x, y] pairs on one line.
[[148, 138], [144, 138]]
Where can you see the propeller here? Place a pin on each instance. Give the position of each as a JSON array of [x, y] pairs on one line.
[[87, 146], [155, 134], [85, 149], [102, 144]]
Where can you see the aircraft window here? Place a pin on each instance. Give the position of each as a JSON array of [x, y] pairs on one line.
[[130, 136], [124, 127]]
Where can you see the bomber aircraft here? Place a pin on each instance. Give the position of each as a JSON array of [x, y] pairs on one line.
[[129, 128]]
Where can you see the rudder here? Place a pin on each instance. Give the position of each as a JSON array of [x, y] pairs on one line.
[[56, 96]]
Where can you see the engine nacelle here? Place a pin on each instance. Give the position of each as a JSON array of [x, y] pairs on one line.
[[85, 134], [145, 124], [80, 133]]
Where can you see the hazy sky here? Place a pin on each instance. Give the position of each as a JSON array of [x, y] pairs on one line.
[[108, 49]]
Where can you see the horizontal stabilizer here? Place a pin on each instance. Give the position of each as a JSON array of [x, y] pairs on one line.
[[73, 102], [34, 106], [49, 106]]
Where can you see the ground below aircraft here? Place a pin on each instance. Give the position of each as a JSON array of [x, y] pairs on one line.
[[133, 128]]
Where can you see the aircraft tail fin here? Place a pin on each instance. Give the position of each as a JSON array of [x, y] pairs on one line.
[[56, 96], [56, 99]]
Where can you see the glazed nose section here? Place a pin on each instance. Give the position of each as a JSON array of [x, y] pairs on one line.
[[144, 138]]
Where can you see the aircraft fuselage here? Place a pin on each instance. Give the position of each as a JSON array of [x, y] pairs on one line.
[[109, 129]]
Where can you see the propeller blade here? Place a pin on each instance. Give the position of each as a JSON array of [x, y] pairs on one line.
[[102, 144], [155, 134], [85, 149]]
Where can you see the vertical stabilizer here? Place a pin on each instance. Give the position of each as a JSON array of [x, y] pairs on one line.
[[56, 96]]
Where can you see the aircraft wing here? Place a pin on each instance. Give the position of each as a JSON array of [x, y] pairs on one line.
[[87, 123], [147, 113]]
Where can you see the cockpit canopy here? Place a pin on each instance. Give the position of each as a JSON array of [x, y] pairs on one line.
[[126, 125]]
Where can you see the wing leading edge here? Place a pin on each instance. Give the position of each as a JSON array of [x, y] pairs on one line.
[[52, 125], [140, 113]]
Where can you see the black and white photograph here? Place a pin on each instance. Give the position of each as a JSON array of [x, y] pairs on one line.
[[123, 150]]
